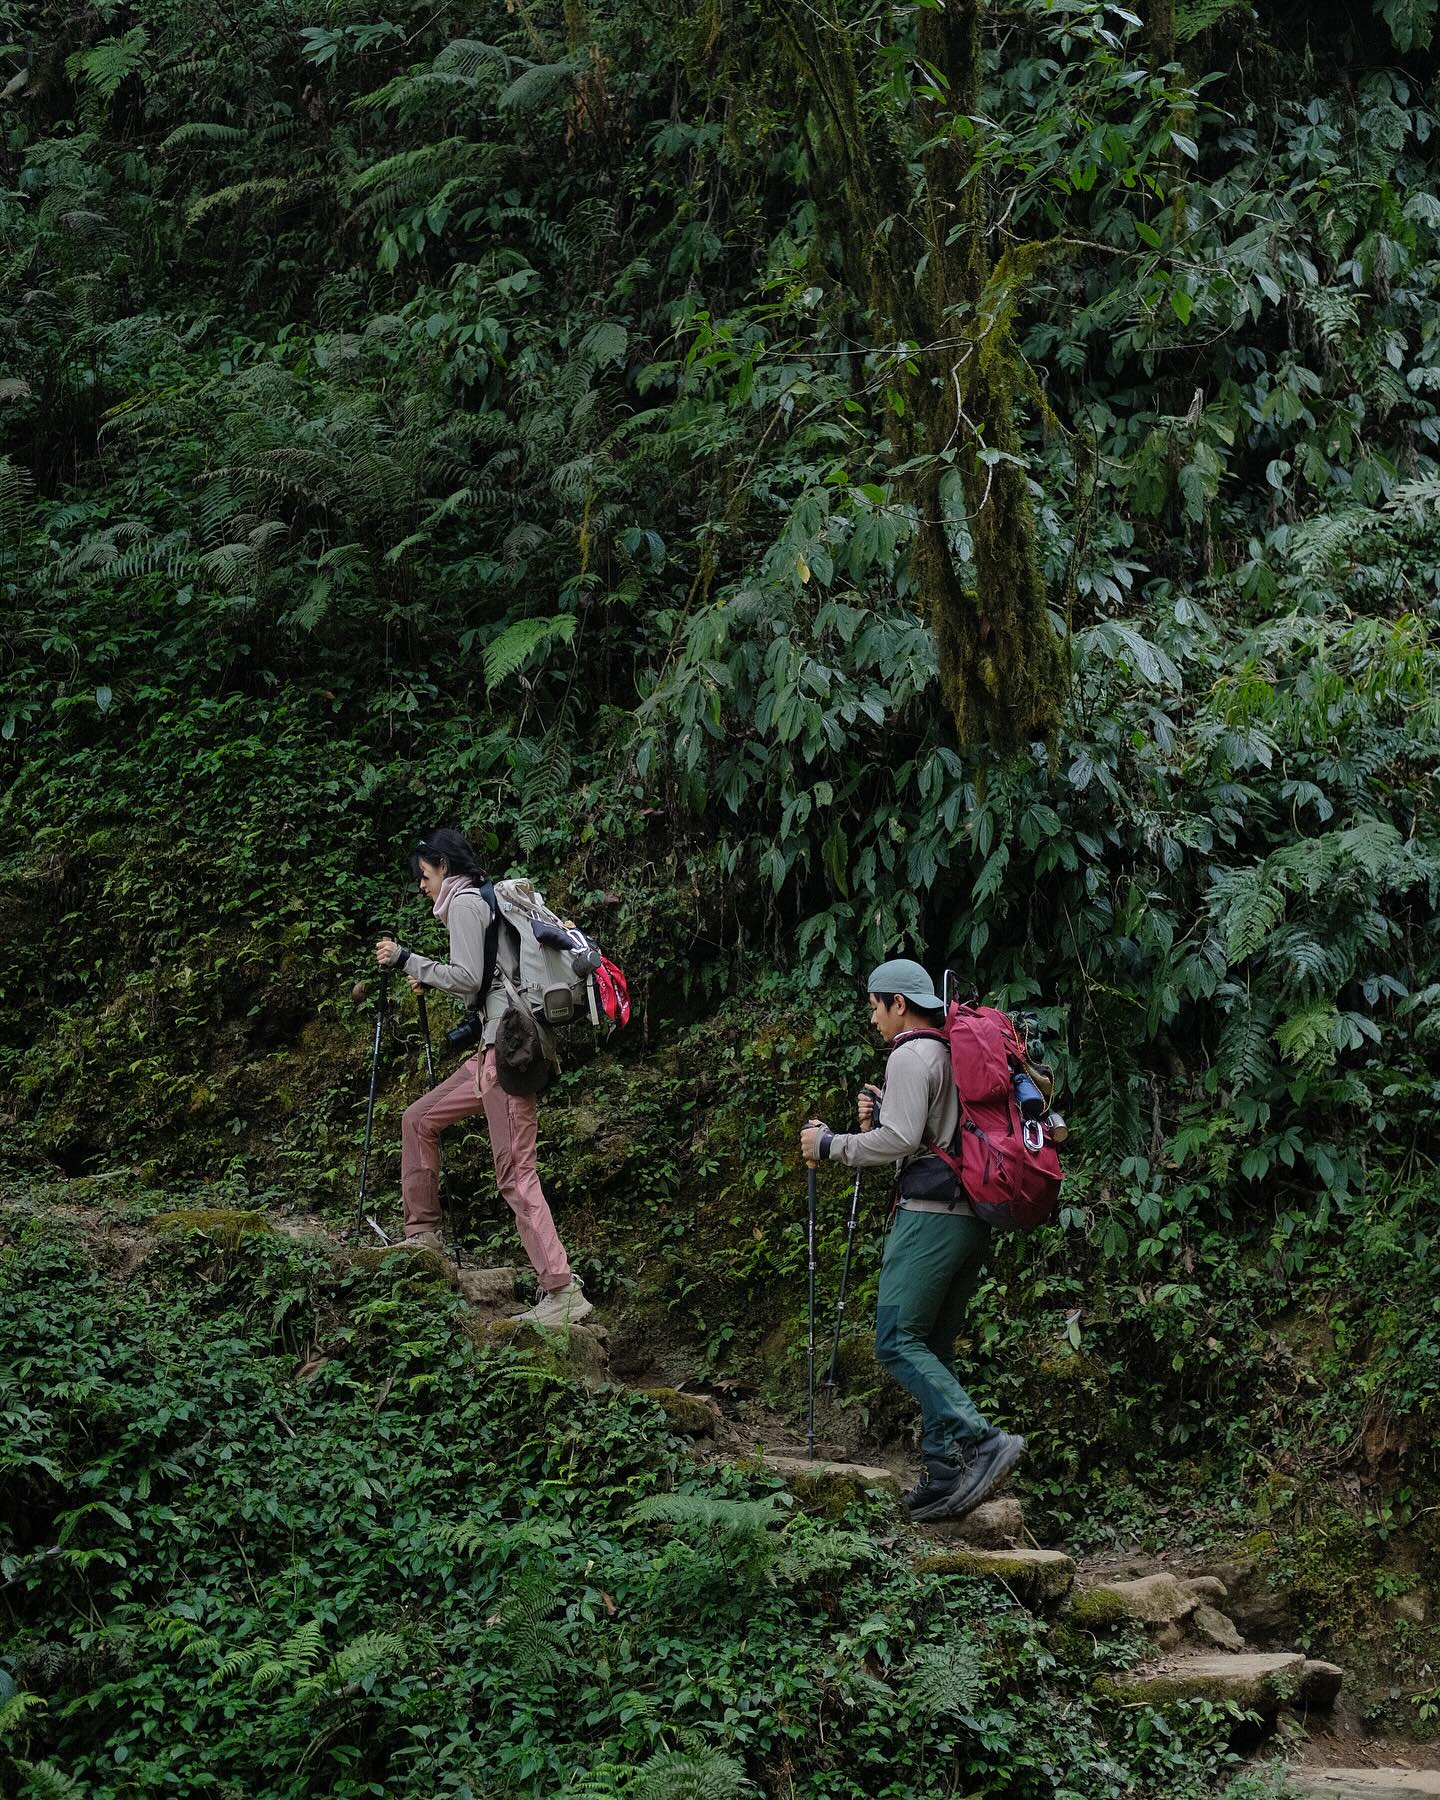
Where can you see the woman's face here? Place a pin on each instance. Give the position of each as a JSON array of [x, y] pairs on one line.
[[431, 876]]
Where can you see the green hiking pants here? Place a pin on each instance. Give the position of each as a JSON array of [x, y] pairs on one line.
[[931, 1268]]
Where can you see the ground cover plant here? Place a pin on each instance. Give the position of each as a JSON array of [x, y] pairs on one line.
[[288, 1530]]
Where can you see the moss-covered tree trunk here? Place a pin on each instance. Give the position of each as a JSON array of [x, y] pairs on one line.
[[921, 256]]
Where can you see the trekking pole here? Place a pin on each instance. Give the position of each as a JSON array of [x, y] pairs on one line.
[[810, 1375], [425, 1030], [360, 1216], [850, 1224]]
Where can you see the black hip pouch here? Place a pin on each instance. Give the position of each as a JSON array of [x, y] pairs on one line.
[[930, 1178]]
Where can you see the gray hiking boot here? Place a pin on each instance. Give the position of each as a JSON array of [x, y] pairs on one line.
[[944, 1478], [424, 1240], [566, 1306], [994, 1457]]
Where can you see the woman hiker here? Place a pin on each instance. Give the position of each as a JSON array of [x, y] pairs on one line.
[[450, 879], [936, 1248]]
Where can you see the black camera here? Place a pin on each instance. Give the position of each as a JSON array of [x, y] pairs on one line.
[[470, 1030]]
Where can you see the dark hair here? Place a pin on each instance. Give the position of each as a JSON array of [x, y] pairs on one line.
[[452, 848], [934, 1017]]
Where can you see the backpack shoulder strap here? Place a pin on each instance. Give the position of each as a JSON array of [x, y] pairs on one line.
[[910, 1037], [492, 941]]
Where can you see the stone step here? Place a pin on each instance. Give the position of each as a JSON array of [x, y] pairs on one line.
[[1036, 1577], [1258, 1683], [831, 1483], [1365, 1784], [992, 1526], [1159, 1599]]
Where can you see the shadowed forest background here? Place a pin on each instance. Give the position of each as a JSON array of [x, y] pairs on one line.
[[803, 483]]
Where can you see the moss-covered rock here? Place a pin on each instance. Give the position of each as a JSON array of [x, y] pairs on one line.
[[1036, 1577], [1097, 1608], [1260, 1684], [992, 1526], [574, 1350], [226, 1227], [1155, 1600], [690, 1416], [830, 1489], [415, 1261]]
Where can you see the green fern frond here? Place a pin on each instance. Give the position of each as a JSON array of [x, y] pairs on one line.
[[470, 58], [544, 783], [202, 131], [13, 1711], [16, 487], [519, 641], [681, 1775], [243, 1660], [535, 85], [1244, 1051], [604, 343], [106, 65], [304, 1646], [944, 1679], [265, 189], [1248, 904], [356, 1663], [1305, 1037], [43, 1781], [821, 1551]]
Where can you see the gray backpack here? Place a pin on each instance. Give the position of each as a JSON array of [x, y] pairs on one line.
[[557, 959]]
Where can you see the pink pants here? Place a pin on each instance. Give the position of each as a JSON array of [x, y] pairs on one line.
[[512, 1146]]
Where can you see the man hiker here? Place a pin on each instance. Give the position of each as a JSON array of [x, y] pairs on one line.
[[936, 1248]]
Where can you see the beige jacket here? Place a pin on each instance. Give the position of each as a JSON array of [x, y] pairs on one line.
[[467, 924], [920, 1108]]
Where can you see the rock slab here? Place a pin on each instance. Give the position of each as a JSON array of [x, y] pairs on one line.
[[991, 1526], [1365, 1784], [1260, 1684], [857, 1474], [1156, 1600], [1036, 1577], [494, 1288]]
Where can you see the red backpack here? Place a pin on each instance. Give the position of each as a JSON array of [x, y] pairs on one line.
[[1008, 1166]]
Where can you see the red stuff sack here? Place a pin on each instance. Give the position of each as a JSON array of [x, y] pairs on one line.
[[612, 992]]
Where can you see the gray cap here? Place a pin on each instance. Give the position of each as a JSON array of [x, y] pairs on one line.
[[901, 976]]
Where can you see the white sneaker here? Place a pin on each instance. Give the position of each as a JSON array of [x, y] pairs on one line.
[[566, 1306]]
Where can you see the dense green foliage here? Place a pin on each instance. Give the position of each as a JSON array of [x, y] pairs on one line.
[[288, 1532], [501, 422]]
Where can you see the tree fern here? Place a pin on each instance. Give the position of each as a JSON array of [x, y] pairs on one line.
[[944, 1679]]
